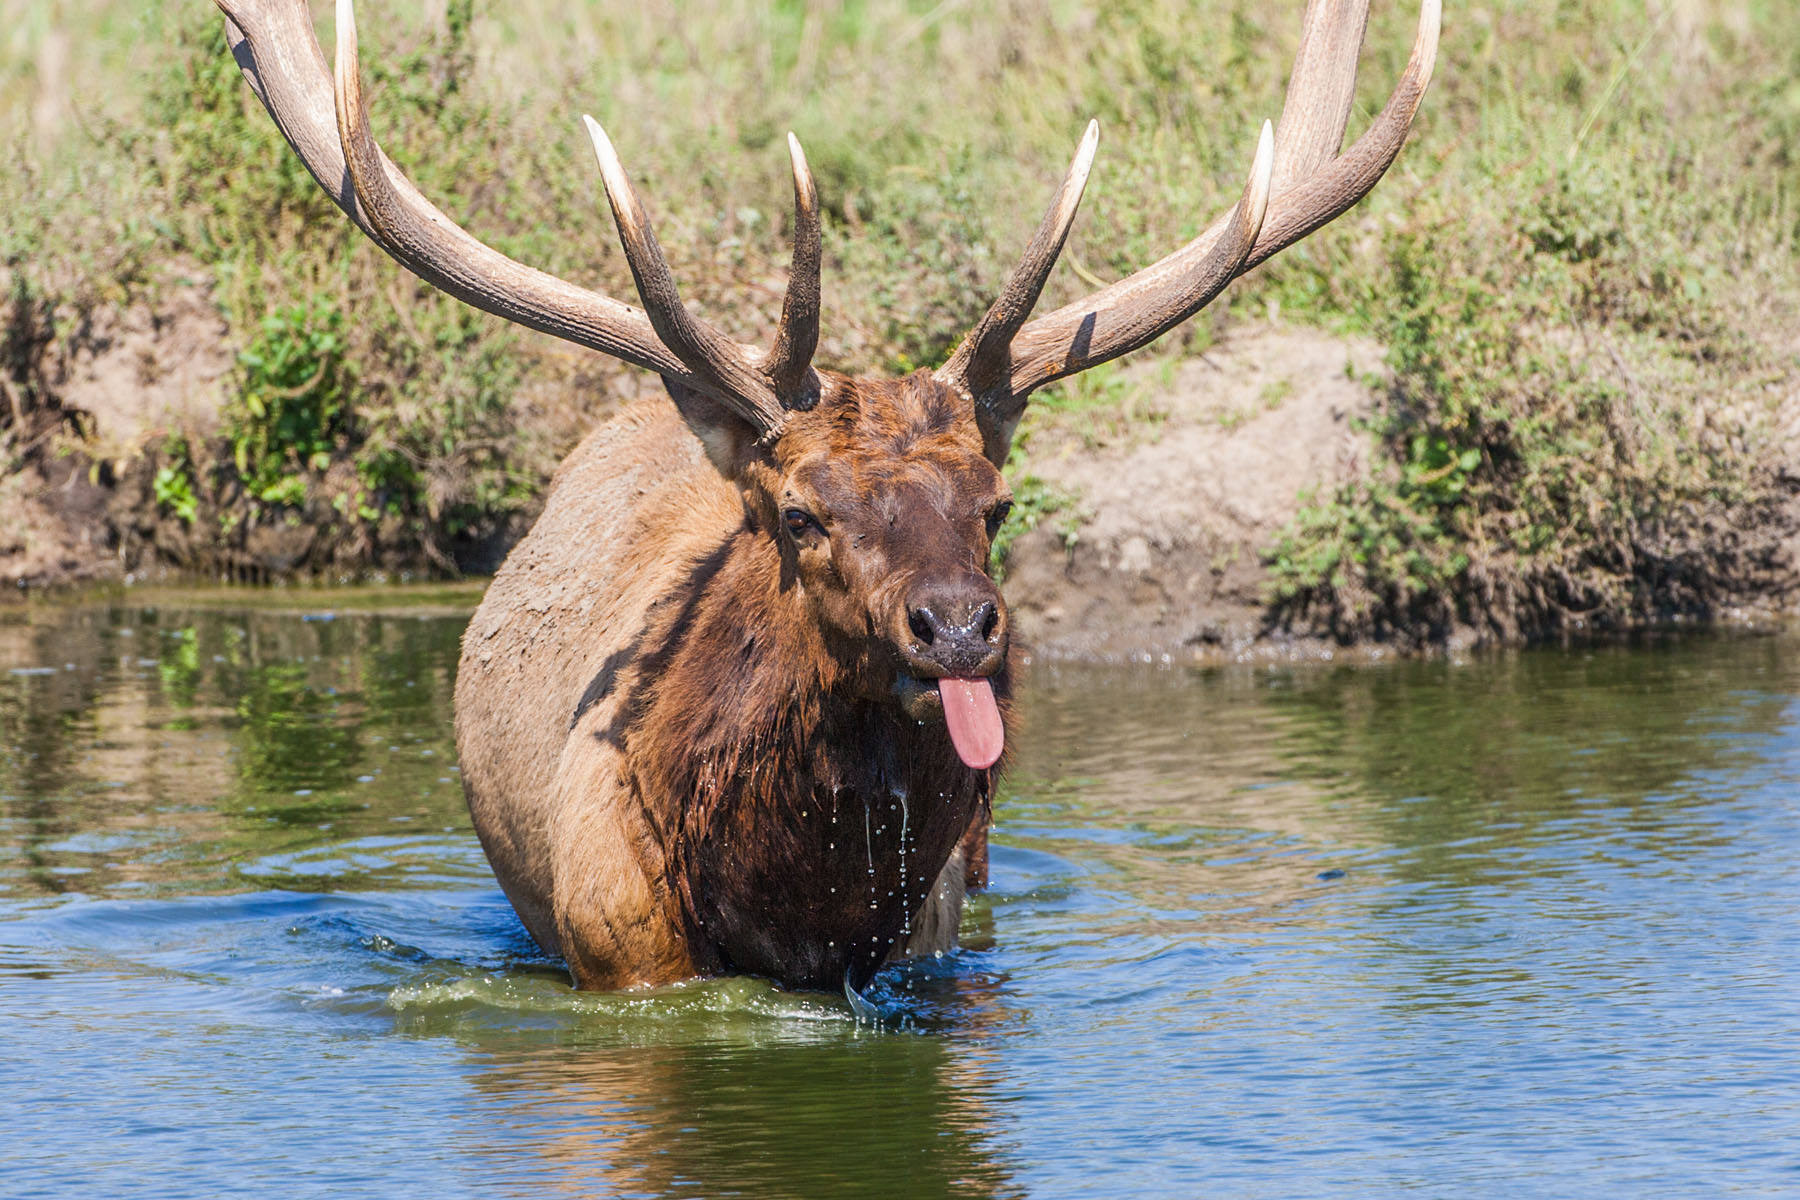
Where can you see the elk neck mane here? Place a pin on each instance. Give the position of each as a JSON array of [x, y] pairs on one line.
[[733, 699]]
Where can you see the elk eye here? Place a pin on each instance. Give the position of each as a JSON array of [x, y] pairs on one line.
[[798, 521], [997, 517]]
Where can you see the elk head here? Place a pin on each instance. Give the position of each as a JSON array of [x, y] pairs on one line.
[[881, 496]]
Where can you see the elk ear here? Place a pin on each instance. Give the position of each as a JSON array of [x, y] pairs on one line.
[[728, 439]]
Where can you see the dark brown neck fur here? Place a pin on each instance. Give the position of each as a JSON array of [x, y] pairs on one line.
[[802, 814]]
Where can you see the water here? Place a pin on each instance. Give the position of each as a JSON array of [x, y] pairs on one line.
[[1525, 925]]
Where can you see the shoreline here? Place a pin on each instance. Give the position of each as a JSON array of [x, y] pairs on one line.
[[328, 599], [1151, 504]]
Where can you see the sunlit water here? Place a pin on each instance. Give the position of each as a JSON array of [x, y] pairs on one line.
[[1526, 925]]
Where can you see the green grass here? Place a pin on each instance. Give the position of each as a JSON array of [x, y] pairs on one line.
[[1035, 502], [1583, 264]]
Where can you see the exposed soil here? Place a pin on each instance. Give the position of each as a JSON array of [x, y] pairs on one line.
[[52, 531], [141, 373], [86, 393], [1171, 524]]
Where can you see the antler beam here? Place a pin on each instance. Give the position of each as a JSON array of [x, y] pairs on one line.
[[325, 119], [1310, 184]]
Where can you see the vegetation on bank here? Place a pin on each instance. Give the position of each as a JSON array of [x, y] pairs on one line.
[[1583, 265]]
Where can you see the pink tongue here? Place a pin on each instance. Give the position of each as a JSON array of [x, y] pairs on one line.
[[974, 721]]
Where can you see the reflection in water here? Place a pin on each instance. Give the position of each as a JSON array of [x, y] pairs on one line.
[[172, 748], [765, 1121], [1524, 922], [1450, 773], [803, 1105]]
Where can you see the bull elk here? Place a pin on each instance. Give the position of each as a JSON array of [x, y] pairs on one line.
[[737, 701]]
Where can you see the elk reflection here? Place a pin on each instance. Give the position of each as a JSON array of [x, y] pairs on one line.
[[810, 1109]]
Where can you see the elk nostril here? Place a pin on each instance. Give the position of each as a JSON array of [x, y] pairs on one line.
[[989, 622], [917, 621]]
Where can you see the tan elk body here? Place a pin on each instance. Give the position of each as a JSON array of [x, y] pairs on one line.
[[737, 701]]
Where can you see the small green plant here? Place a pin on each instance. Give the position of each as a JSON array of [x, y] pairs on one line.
[[292, 407], [1371, 548], [1101, 389], [173, 484], [1035, 501], [1435, 472], [1273, 395]]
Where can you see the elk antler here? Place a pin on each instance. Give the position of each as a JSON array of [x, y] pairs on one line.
[[984, 350], [789, 363], [326, 122], [1309, 185]]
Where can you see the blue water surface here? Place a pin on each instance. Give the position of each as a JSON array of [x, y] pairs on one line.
[[1522, 925]]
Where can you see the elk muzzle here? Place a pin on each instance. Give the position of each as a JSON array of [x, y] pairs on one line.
[[955, 628], [954, 640]]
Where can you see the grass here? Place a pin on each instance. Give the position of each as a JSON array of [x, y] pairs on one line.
[[1582, 265], [1583, 345], [1036, 501]]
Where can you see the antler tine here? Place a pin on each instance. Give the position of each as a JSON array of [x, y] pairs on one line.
[[789, 365], [1304, 196], [980, 362], [1334, 189], [998, 409], [1242, 225], [704, 350], [1321, 88]]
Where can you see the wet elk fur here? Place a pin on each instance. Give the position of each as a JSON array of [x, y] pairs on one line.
[[737, 701], [687, 663]]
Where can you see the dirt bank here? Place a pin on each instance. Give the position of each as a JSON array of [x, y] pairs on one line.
[[116, 454], [1161, 552], [1158, 493], [1173, 505], [88, 390]]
